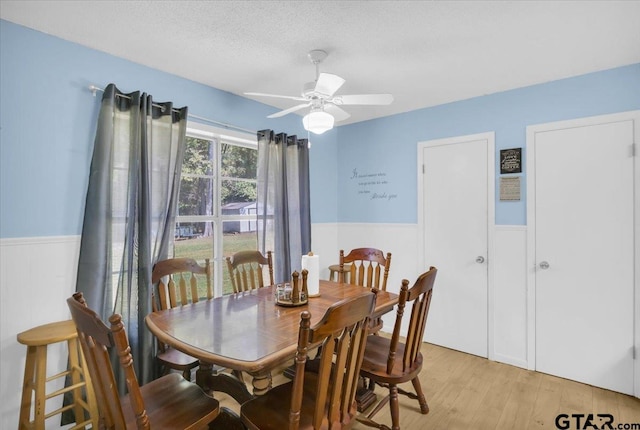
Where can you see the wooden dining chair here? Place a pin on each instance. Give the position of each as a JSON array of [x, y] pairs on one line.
[[246, 270], [388, 361], [369, 268], [169, 402], [325, 396], [175, 283]]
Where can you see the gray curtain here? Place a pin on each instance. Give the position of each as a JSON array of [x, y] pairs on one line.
[[130, 211], [284, 219]]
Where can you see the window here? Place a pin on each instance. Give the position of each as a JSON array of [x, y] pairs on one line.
[[216, 214]]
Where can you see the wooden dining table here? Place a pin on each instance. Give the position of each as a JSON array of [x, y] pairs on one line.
[[247, 332]]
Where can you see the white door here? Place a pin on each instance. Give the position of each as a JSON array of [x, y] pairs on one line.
[[457, 208], [581, 210]]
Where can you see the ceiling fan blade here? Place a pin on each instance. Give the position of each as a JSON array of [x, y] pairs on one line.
[[328, 84], [338, 113], [286, 111], [276, 95], [363, 99]]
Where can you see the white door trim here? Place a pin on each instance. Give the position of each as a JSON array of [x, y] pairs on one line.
[[531, 223], [491, 169]]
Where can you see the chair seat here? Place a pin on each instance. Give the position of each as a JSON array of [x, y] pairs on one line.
[[277, 402], [374, 364], [177, 359], [169, 394]]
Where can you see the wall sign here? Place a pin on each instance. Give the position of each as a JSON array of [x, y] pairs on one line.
[[510, 188], [373, 185], [511, 160]]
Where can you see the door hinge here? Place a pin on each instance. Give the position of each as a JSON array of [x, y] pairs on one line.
[[633, 149], [423, 169], [634, 352]]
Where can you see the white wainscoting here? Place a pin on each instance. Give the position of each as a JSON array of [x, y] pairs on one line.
[[324, 243], [510, 295], [401, 240], [509, 310], [37, 276]]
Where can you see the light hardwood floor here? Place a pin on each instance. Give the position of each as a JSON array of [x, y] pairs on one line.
[[468, 392]]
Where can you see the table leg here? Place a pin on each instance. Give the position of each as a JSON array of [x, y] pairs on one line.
[[262, 383], [365, 397], [211, 380]]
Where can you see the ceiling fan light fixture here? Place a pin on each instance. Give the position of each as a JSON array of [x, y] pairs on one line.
[[318, 121]]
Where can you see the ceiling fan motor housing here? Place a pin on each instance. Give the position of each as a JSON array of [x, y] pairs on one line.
[[309, 92]]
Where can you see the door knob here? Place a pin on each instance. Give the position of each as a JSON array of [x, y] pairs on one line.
[[544, 265], [479, 259]]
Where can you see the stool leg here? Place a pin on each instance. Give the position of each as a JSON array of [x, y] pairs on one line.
[[74, 367], [27, 388], [40, 386]]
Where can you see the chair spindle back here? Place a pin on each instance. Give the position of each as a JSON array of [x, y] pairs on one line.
[[420, 294], [96, 340], [170, 279], [342, 334], [246, 270], [369, 267]]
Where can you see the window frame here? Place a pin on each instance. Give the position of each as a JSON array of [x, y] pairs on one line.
[[219, 136]]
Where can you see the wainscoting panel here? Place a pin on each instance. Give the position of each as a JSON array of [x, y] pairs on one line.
[[401, 240], [324, 243], [37, 276], [510, 295]]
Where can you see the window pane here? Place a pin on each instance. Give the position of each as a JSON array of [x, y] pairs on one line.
[[239, 162], [197, 183], [232, 192], [235, 242], [195, 240], [199, 157], [196, 196]]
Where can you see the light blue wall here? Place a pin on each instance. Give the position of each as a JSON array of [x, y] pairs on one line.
[[324, 176], [388, 146], [48, 119]]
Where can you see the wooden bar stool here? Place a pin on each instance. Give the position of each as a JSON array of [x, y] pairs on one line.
[[334, 272], [34, 394]]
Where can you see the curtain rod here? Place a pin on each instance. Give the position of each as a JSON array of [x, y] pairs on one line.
[[94, 89]]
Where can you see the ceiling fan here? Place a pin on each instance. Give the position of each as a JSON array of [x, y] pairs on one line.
[[320, 97]]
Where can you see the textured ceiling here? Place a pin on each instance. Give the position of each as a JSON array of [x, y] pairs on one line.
[[425, 53]]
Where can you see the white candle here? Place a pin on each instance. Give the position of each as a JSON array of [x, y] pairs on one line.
[[311, 262]]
